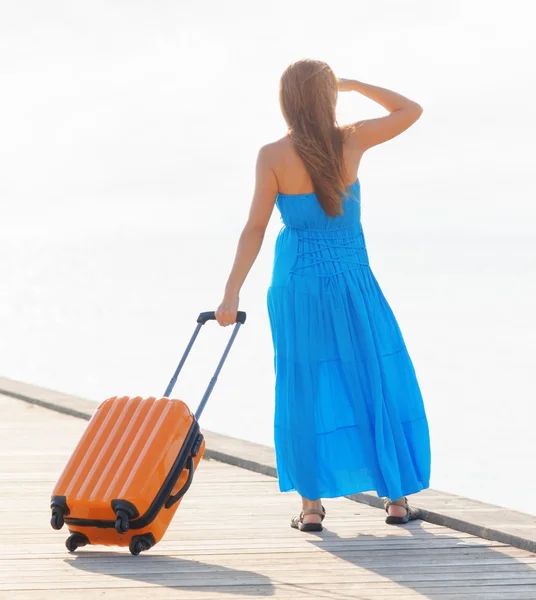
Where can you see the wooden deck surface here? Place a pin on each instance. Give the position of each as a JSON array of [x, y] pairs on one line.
[[231, 539]]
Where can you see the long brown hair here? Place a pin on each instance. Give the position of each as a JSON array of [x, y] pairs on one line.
[[308, 96]]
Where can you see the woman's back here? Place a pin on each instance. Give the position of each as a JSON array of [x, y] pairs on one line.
[[292, 175], [296, 200]]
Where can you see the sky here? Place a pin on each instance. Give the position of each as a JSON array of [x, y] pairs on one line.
[[115, 112]]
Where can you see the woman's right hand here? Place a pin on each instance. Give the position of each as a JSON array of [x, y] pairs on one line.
[[227, 311]]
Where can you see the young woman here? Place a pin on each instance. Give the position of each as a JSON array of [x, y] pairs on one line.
[[349, 415]]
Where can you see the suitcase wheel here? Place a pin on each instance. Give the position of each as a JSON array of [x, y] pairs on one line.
[[76, 540], [140, 543], [59, 509], [56, 521], [121, 523], [124, 511]]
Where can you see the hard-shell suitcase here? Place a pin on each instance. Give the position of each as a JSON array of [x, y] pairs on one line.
[[132, 466]]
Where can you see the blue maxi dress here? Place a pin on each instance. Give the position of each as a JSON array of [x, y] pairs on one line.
[[349, 415]]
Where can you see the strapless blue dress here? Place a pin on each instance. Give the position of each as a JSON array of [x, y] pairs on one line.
[[349, 414]]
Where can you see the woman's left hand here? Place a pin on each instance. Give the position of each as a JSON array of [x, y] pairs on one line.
[[227, 311], [345, 85]]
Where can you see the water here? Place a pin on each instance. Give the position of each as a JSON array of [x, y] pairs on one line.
[[125, 185]]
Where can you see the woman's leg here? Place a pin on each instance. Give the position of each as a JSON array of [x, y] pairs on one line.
[[311, 505]]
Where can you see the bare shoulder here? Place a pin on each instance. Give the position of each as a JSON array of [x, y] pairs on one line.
[[267, 161], [272, 152], [277, 158]]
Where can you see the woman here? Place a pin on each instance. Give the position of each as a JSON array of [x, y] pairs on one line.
[[349, 415]]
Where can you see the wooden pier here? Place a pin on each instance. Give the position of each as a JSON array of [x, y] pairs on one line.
[[231, 539]]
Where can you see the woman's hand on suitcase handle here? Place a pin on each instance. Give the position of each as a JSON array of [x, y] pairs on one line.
[[227, 311]]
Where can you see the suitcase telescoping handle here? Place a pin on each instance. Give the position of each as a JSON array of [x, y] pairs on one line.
[[201, 320]]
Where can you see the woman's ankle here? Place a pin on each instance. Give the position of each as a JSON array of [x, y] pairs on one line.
[[311, 504]]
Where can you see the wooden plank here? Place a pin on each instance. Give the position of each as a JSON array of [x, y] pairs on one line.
[[223, 583], [377, 559], [278, 592], [190, 575], [188, 565]]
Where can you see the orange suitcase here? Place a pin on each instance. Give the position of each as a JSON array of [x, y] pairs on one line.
[[132, 466]]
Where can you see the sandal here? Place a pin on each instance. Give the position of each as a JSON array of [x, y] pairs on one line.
[[297, 522], [411, 513]]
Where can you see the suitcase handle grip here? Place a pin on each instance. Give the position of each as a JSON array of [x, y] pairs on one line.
[[175, 498], [211, 316]]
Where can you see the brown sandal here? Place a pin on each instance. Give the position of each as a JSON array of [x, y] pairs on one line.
[[297, 522], [411, 513]]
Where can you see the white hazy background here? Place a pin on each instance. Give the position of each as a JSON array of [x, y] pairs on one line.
[[128, 138]]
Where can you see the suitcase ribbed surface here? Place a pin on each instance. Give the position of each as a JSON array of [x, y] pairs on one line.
[[126, 452]]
